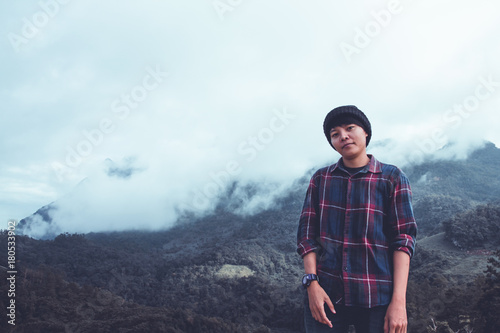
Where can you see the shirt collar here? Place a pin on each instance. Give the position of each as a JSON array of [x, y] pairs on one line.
[[374, 166]]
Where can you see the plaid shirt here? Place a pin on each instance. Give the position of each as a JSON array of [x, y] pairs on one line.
[[355, 223]]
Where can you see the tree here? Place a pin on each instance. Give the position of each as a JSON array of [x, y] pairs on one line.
[[489, 304]]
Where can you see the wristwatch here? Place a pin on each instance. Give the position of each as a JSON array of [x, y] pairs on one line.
[[308, 278]]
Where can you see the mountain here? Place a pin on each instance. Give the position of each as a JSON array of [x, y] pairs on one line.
[[444, 188], [231, 273]]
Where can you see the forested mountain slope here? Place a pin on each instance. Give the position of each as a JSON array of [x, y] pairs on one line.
[[231, 273]]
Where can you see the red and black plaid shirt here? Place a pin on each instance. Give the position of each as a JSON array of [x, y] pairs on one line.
[[355, 223]]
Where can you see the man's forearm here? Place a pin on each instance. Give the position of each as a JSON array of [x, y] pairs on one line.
[[310, 263], [395, 318], [401, 271]]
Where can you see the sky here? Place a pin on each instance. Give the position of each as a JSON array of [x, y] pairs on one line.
[[127, 113]]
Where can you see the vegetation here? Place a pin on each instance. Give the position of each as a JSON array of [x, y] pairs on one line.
[[432, 209], [489, 303], [47, 303], [477, 228], [169, 281]]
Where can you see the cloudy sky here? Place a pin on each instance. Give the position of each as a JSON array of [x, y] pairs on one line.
[[127, 112]]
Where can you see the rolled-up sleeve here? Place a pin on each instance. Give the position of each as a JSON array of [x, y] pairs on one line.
[[401, 219], [308, 230]]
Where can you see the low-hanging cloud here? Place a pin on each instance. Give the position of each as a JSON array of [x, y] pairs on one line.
[[168, 117]]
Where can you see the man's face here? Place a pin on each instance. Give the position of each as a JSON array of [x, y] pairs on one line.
[[349, 140]]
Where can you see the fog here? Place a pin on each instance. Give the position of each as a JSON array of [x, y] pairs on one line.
[[126, 116]]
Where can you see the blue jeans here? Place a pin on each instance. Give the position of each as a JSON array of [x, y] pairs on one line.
[[364, 320]]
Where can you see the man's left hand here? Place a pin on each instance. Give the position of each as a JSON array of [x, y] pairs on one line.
[[395, 318]]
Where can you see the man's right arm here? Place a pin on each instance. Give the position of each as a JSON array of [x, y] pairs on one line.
[[316, 294], [307, 246]]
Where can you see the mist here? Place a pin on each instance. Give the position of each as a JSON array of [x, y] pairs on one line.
[[158, 109]]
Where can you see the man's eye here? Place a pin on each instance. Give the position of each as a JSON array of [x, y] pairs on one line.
[[350, 127], [334, 135]]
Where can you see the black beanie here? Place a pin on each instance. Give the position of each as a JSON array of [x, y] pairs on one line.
[[347, 114]]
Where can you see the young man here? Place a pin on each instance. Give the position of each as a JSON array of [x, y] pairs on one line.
[[356, 235]]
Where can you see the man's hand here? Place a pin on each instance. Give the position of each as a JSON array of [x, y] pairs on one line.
[[395, 318], [317, 299]]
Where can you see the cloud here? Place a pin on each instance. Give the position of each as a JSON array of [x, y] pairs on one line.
[[124, 170], [82, 91]]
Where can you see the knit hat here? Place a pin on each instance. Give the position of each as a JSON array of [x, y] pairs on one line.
[[347, 114]]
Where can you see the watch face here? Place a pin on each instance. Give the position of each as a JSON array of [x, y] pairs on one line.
[[305, 281], [308, 278]]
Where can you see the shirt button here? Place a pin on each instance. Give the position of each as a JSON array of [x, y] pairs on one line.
[[345, 268]]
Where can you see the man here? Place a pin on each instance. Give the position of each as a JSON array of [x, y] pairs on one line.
[[356, 235]]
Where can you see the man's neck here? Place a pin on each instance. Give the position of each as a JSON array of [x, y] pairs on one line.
[[357, 162]]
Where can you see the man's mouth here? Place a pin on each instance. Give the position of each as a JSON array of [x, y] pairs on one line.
[[347, 144]]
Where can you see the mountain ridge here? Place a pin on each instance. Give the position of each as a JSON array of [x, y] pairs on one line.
[[180, 268], [458, 180]]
